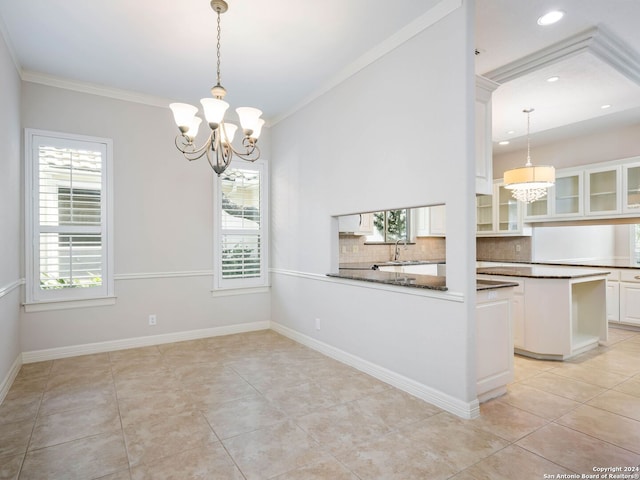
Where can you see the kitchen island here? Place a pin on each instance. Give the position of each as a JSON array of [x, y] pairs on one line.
[[559, 312]]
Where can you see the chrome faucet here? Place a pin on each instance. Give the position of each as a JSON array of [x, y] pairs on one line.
[[396, 253]]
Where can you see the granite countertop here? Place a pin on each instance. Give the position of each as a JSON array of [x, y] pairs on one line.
[[430, 282], [374, 265], [542, 271], [612, 263]]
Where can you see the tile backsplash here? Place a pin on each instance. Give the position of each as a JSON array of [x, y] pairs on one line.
[[504, 249], [354, 250], [498, 249]]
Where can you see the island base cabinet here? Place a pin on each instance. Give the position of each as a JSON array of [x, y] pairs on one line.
[[494, 341], [564, 318], [630, 303]]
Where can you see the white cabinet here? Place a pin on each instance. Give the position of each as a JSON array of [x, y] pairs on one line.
[[568, 195], [499, 214], [560, 317], [484, 145], [494, 342], [484, 214], [360, 224], [630, 296], [564, 200], [613, 301], [602, 190], [631, 188], [430, 221]]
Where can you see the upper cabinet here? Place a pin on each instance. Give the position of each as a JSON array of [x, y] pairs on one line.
[[484, 145], [499, 214], [564, 200], [631, 188], [359, 224], [602, 190], [430, 221], [597, 191]]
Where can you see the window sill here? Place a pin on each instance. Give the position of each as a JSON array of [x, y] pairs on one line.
[[68, 304], [239, 291]]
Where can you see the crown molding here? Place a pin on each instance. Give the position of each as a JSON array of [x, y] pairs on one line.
[[93, 89], [595, 40]]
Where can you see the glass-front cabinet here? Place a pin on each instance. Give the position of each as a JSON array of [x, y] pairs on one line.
[[508, 211], [568, 195], [538, 209], [484, 214], [631, 189], [601, 188], [499, 214]]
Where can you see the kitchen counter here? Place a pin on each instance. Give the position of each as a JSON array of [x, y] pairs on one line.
[[559, 312], [430, 282], [612, 263], [541, 271]]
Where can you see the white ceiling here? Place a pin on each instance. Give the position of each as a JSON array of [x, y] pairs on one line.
[[277, 54]]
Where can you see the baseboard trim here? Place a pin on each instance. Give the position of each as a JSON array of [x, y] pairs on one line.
[[113, 345], [435, 397], [5, 386]]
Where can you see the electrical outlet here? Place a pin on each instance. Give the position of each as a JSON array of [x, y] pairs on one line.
[[355, 248], [344, 249], [317, 324], [152, 320], [518, 248]]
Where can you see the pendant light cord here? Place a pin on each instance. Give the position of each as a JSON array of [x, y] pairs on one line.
[[528, 164]]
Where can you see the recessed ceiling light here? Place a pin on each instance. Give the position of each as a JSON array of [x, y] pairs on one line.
[[511, 132], [604, 107], [504, 142], [550, 17], [555, 78]]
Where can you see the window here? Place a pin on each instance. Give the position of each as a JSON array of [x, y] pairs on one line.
[[68, 199], [390, 226], [241, 226]]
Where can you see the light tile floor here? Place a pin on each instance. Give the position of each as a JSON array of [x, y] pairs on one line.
[[260, 406]]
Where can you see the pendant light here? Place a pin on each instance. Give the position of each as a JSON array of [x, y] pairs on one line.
[[529, 183]]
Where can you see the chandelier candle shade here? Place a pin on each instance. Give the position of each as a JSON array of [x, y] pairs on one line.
[[529, 183], [218, 148]]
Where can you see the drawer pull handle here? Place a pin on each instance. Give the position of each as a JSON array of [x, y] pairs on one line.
[[637, 277]]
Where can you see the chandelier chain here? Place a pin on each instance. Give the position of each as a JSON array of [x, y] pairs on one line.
[[218, 51]]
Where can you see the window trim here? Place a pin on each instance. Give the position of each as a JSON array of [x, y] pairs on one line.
[[81, 297], [247, 285]]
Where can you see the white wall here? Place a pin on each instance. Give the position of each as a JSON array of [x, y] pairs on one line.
[[10, 224], [575, 242], [163, 218], [396, 134], [603, 146]]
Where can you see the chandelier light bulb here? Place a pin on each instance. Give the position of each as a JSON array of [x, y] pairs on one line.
[[183, 114], [227, 132], [214, 110], [249, 117], [193, 128], [256, 131]]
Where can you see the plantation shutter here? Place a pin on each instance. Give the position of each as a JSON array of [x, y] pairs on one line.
[[68, 218], [241, 227]]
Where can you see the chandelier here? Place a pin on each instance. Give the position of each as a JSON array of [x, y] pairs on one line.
[[529, 183], [218, 148]]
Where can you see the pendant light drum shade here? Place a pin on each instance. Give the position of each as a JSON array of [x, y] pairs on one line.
[[535, 176]]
